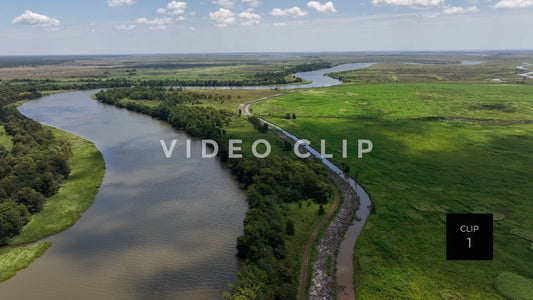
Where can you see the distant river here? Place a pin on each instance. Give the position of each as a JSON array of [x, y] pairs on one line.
[[158, 229], [317, 78]]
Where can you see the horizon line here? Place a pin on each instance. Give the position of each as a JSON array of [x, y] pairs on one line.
[[484, 51]]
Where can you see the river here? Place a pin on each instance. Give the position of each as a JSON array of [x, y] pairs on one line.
[[158, 228], [317, 78]]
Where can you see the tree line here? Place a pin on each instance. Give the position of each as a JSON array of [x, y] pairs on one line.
[[33, 169], [171, 95]]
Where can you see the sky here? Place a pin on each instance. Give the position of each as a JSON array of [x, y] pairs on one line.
[[36, 27]]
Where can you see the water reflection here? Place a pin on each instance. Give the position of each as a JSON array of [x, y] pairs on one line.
[[158, 228]]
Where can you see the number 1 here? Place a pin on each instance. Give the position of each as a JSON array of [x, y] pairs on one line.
[[469, 242]]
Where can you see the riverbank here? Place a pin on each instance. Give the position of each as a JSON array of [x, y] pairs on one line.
[[422, 168], [324, 283], [62, 210]]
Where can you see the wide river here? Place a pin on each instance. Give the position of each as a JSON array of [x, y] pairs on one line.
[[158, 228]]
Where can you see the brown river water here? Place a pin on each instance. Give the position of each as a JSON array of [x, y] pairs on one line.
[[158, 228]]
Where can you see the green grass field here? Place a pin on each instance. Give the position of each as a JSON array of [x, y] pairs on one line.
[[17, 258], [422, 168], [401, 72], [5, 139], [75, 196], [407, 101]]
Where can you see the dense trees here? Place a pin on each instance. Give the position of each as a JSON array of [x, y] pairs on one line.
[[13, 217], [262, 127], [34, 166], [171, 96], [271, 182]]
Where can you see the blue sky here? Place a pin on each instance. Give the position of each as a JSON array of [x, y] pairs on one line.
[[215, 26]]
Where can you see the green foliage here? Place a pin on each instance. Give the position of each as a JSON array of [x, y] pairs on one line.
[[32, 168], [287, 180], [270, 182], [261, 127], [75, 196], [289, 227], [514, 286], [13, 217], [6, 141], [30, 198], [16, 258]]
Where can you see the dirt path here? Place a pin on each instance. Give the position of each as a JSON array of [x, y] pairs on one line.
[[245, 107], [304, 268]]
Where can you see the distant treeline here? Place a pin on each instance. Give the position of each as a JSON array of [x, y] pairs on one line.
[[158, 94], [19, 61], [270, 182], [32, 169], [271, 78]]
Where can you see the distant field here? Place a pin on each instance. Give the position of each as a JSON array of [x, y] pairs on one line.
[[422, 168], [402, 72], [407, 101], [174, 67]]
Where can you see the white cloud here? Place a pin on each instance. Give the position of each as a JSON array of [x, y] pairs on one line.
[[31, 18], [293, 11], [157, 23], [224, 3], [114, 3], [278, 12], [249, 18], [252, 3], [450, 10], [223, 17], [410, 3], [514, 4], [180, 18], [173, 8], [430, 15], [124, 27], [326, 7], [280, 24]]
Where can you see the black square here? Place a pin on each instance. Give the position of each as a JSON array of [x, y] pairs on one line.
[[469, 237]]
